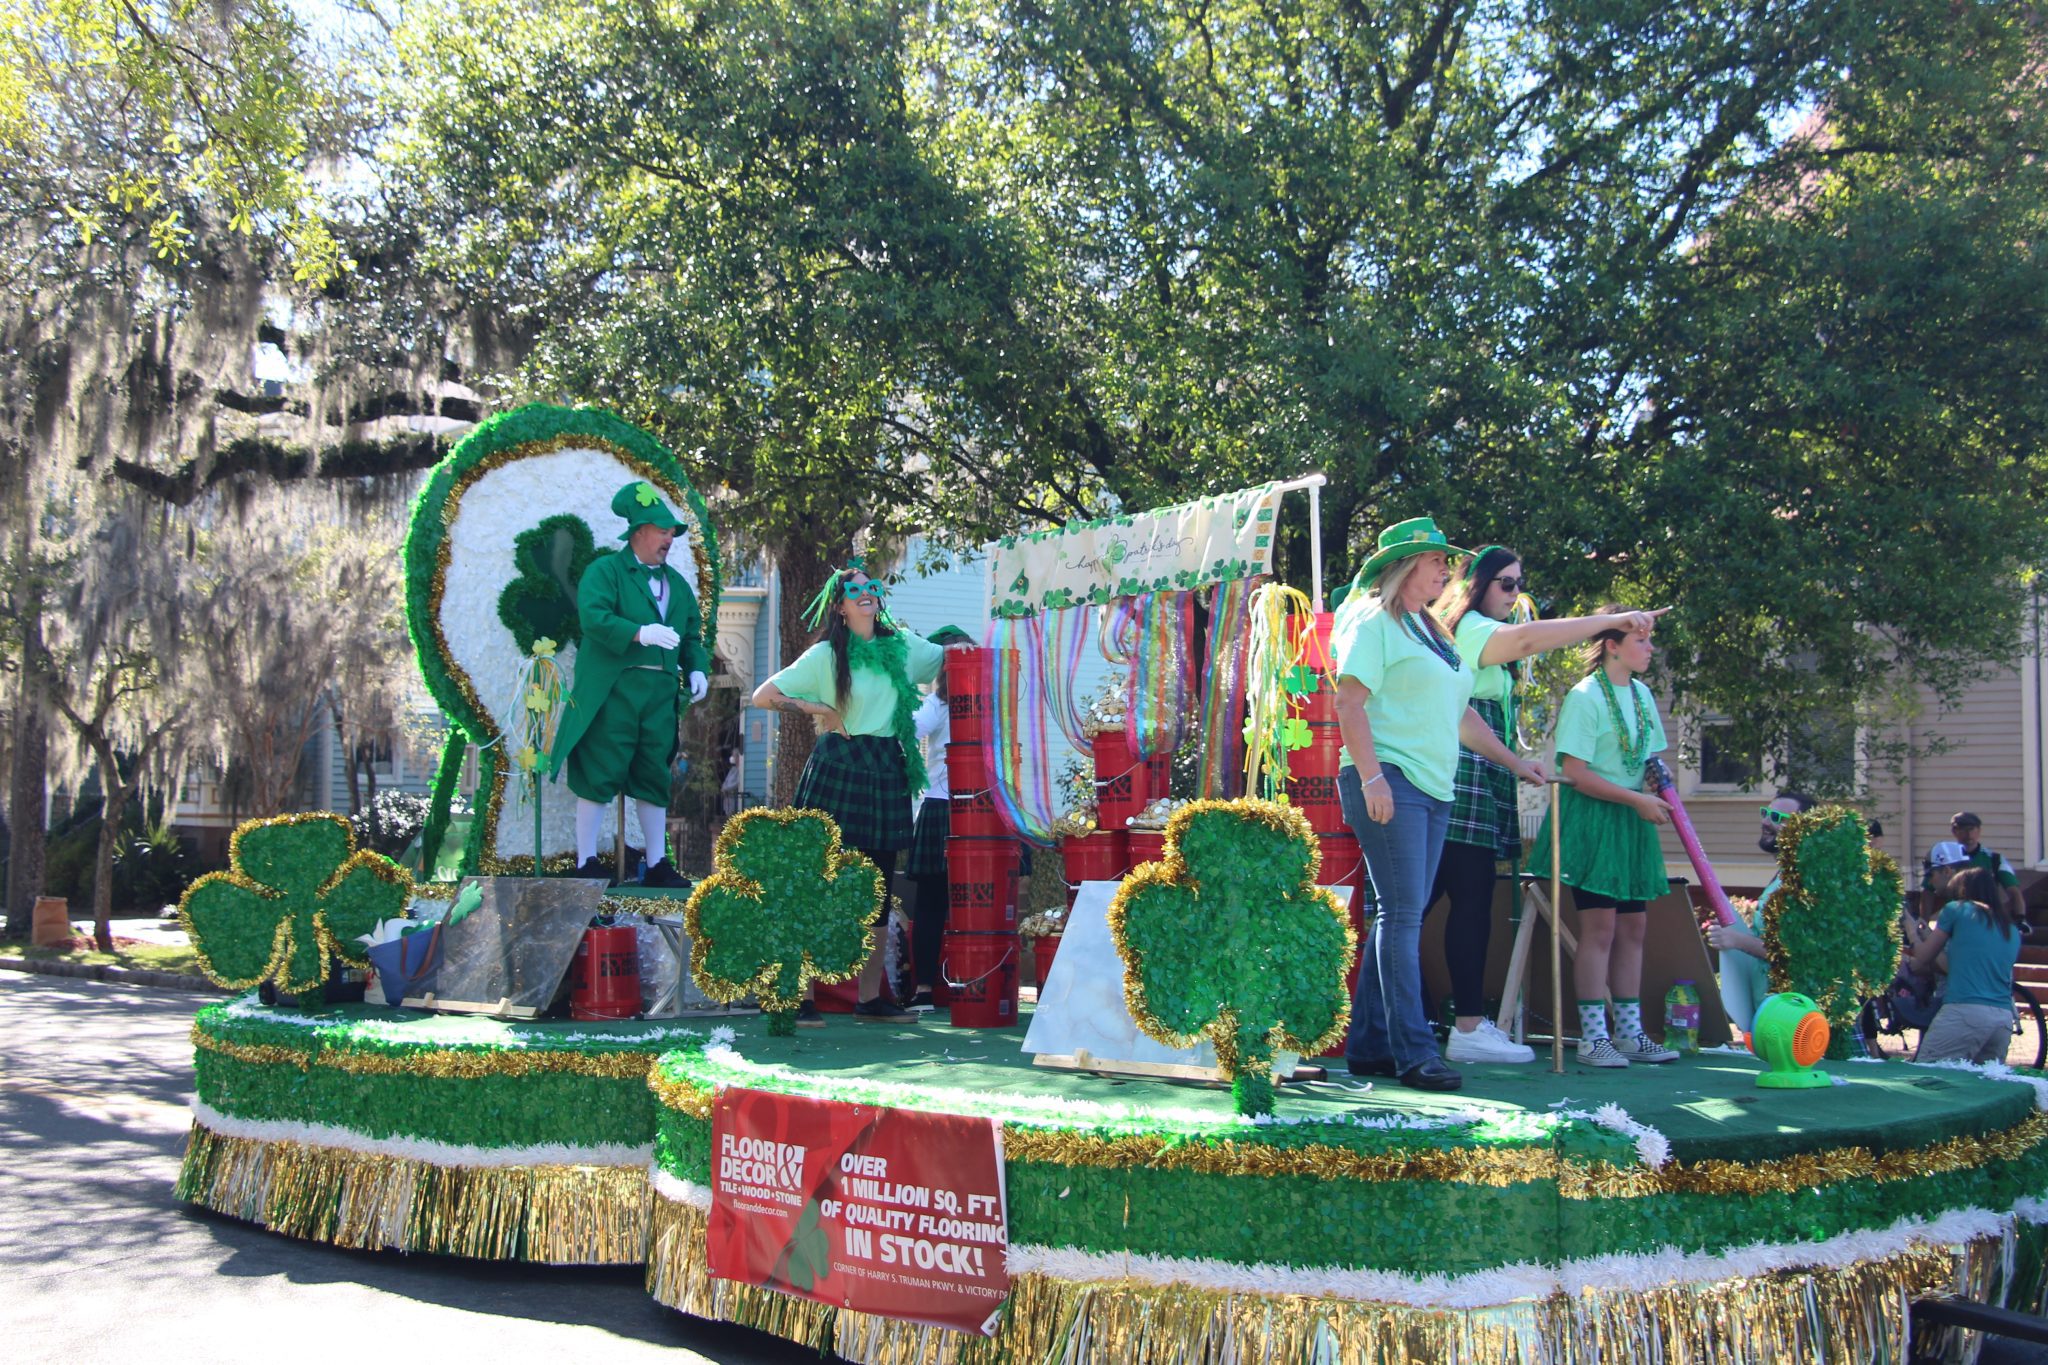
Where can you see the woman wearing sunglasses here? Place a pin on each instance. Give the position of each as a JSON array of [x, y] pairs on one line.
[[859, 684], [1488, 613]]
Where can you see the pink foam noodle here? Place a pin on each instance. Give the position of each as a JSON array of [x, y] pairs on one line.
[[1667, 788]]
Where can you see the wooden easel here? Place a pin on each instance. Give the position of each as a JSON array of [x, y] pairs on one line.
[[1562, 940]]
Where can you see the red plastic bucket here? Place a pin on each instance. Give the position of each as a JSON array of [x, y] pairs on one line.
[[1123, 784], [1312, 778], [1320, 704], [604, 979], [967, 695], [981, 885], [1344, 865], [1103, 856], [973, 813], [1042, 950], [965, 770], [981, 970], [1147, 846]]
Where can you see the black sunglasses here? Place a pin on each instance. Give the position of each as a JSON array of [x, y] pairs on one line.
[[1510, 583]]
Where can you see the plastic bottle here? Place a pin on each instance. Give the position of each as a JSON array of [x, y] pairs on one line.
[[1682, 1017]]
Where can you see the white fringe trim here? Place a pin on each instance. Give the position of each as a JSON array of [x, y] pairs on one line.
[[1621, 1273], [1522, 1282], [1993, 1071], [465, 1030], [417, 1149]]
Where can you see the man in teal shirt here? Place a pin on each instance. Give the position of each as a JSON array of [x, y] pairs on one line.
[[1745, 977]]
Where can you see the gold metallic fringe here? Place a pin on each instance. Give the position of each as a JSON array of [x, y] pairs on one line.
[[623, 1066], [1481, 1165], [1846, 1313], [555, 1214]]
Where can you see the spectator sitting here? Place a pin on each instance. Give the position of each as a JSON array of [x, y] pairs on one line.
[[1966, 848], [1982, 936]]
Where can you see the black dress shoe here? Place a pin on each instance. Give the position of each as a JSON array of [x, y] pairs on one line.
[[1432, 1075], [662, 873], [1382, 1067], [595, 869]]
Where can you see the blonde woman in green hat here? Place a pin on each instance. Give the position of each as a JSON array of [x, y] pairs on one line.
[[642, 643], [1403, 698], [859, 684]]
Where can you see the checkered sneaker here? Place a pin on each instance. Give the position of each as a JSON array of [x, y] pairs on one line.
[[859, 782], [1641, 1049], [1483, 809], [1601, 1052]]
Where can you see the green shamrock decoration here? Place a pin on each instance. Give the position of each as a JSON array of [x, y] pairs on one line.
[[783, 906], [1229, 936], [645, 494], [1294, 733], [808, 1257], [1828, 933], [540, 604], [1300, 680], [296, 896]]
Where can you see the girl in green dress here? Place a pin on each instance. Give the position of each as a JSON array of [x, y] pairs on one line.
[[1607, 730]]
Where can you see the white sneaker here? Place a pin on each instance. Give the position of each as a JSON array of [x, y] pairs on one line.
[[1641, 1049], [1486, 1043], [1600, 1052]]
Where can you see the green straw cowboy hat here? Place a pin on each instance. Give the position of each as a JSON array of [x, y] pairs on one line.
[[1416, 536], [641, 505]]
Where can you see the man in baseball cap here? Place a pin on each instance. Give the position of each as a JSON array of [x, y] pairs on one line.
[[1966, 850]]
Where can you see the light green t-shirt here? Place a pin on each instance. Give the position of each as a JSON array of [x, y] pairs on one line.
[[1475, 628], [1417, 699], [871, 701], [1746, 980], [1586, 731]]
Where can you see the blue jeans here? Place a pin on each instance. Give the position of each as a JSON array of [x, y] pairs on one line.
[[1387, 1014]]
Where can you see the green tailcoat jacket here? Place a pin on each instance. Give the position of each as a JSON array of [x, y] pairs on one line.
[[612, 602]]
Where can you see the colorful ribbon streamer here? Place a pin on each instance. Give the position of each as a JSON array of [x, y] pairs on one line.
[[1019, 770], [1287, 659], [1157, 718], [1223, 683], [1068, 632]]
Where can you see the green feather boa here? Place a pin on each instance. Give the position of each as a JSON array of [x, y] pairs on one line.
[[889, 655]]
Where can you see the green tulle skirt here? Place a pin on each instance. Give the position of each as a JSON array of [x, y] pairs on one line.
[[1606, 849]]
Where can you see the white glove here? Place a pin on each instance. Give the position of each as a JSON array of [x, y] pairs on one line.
[[659, 636], [698, 687]]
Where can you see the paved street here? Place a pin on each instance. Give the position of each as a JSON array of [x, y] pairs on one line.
[[98, 1263]]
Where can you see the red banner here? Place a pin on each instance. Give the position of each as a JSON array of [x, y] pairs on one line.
[[886, 1211]]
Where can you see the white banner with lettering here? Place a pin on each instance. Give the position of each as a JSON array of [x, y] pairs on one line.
[[1211, 540]]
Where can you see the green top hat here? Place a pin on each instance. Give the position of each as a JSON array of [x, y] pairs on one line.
[[1416, 536], [950, 635], [641, 505]]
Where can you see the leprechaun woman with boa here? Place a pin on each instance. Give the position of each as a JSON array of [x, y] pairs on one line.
[[859, 683]]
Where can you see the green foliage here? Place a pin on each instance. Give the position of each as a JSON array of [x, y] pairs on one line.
[[1831, 930], [541, 602], [784, 906], [296, 896], [1230, 937]]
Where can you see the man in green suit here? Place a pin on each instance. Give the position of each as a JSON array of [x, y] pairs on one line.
[[642, 641]]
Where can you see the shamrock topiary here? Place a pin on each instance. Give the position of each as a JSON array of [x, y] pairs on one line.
[[541, 602], [1828, 932], [1229, 936], [784, 906], [296, 896]]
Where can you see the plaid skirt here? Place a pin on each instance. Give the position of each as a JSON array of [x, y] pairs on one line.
[[859, 782], [1484, 812], [928, 840]]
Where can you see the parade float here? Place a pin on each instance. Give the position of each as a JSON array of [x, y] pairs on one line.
[[937, 1193]]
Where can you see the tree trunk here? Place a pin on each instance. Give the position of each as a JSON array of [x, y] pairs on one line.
[[27, 798], [803, 567], [113, 806]]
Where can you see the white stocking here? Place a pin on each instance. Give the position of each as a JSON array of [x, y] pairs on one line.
[[589, 816], [654, 829]]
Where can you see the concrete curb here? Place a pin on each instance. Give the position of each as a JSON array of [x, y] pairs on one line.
[[125, 976]]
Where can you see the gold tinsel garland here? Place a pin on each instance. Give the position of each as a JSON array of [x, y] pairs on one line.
[[557, 1214], [436, 1063], [451, 507], [1480, 1165], [1852, 1312]]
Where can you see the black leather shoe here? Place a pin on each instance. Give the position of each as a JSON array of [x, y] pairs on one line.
[[662, 873], [594, 869], [1383, 1067], [1432, 1075]]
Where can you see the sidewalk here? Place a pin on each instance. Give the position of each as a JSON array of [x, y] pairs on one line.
[[163, 932]]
